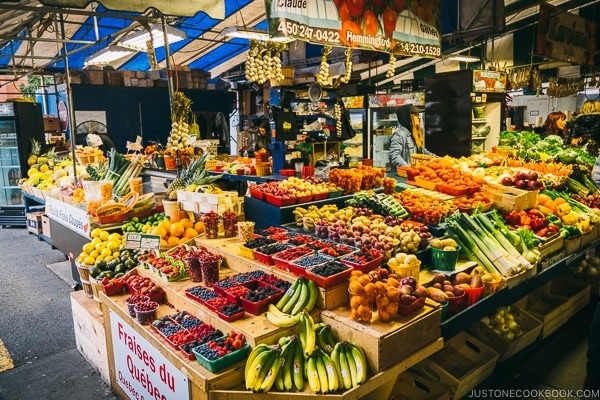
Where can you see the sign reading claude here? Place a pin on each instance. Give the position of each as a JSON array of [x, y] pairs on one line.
[[565, 36], [405, 27]]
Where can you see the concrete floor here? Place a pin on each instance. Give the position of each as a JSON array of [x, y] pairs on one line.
[[36, 327]]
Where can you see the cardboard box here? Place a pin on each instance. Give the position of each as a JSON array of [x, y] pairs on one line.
[[412, 385], [385, 343], [51, 123], [462, 364], [96, 76], [530, 326], [114, 78], [34, 222], [90, 335], [46, 226]]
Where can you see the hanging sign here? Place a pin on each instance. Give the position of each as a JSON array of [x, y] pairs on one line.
[[181, 8], [405, 27], [489, 81], [565, 36]]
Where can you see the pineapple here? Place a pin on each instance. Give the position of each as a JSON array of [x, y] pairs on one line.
[[36, 147], [187, 177]]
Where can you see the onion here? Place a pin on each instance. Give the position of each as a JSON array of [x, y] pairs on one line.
[[590, 271]]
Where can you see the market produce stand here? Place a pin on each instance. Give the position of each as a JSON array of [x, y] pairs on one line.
[[229, 383]]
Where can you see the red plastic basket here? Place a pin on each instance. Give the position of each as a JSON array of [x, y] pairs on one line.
[[329, 281], [407, 310], [279, 201]]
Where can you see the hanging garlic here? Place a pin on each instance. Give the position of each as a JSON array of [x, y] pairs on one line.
[[392, 71], [346, 77], [251, 67], [337, 112], [323, 75]]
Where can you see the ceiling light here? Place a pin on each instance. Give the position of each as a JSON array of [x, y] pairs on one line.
[[249, 33], [137, 40], [464, 58], [108, 55]]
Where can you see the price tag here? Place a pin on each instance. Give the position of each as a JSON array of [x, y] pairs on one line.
[[142, 241]]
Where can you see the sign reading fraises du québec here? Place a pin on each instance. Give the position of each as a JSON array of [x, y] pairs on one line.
[[404, 27]]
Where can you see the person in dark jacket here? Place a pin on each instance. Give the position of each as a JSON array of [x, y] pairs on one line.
[[587, 124], [100, 140]]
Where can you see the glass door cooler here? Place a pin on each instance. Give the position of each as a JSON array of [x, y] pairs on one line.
[[355, 149], [19, 123]]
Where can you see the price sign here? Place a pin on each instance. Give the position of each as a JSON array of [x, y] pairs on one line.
[[141, 241]]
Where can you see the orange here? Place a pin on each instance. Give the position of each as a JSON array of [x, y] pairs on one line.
[[186, 223], [172, 240], [182, 240], [160, 231], [165, 223], [190, 233], [177, 229], [199, 226], [163, 242]]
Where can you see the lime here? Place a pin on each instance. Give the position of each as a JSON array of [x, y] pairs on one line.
[[135, 220]]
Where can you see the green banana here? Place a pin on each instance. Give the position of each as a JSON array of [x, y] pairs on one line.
[[333, 379], [361, 362], [272, 372], [302, 299], [253, 354], [287, 295], [325, 339], [312, 375], [258, 369], [287, 308], [309, 337], [321, 372], [347, 354], [313, 295], [288, 363], [279, 381], [298, 366], [339, 359]]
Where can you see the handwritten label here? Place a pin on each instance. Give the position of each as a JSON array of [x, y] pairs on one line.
[[141, 241]]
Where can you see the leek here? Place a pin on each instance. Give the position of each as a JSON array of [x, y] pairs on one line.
[[473, 252], [485, 222]]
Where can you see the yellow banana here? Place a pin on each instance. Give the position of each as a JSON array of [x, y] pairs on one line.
[[333, 379], [298, 366], [272, 372], [281, 319], [258, 369], [361, 362], [321, 372], [347, 354], [253, 354], [312, 375], [309, 337]]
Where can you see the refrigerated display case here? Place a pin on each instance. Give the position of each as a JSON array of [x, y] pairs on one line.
[[19, 123], [355, 149], [383, 120]]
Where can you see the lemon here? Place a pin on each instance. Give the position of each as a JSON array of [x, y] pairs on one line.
[[95, 232], [80, 260], [99, 246], [96, 240], [89, 260], [106, 252], [94, 254], [104, 236], [109, 258], [116, 254], [88, 247], [112, 244], [114, 237], [100, 258]]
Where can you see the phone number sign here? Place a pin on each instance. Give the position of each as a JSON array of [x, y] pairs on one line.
[[405, 27]]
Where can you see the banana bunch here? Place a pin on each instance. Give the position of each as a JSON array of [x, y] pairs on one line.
[[306, 217], [302, 295], [324, 337], [306, 333], [291, 373], [321, 373], [350, 361], [262, 368]]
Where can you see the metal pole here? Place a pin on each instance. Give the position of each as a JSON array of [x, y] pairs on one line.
[[71, 110], [168, 62]]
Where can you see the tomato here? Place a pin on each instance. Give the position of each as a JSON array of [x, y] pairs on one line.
[[356, 7], [343, 11], [349, 26], [400, 5], [389, 21], [370, 25]]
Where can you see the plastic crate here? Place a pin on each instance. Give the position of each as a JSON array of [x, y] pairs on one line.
[[222, 362], [336, 193], [278, 201], [329, 281], [320, 196], [113, 289], [246, 252], [451, 190], [231, 318], [304, 199], [255, 307], [363, 267], [285, 263], [257, 194]]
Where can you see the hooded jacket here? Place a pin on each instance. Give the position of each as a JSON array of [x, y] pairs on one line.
[[586, 126]]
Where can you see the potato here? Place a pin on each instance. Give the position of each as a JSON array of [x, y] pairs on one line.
[[438, 285], [449, 242], [436, 243], [447, 282], [449, 293], [439, 278], [448, 288], [462, 277], [437, 295], [458, 291]]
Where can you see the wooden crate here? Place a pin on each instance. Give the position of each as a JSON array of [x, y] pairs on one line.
[[572, 245], [507, 348], [411, 385], [90, 335], [550, 309], [551, 245], [576, 292], [387, 343], [509, 198], [96, 76], [462, 364]]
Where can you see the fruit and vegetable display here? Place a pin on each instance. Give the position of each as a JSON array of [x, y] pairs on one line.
[[356, 179], [503, 323], [295, 189]]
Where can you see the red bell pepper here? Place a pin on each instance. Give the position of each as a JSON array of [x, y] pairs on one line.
[[513, 218]]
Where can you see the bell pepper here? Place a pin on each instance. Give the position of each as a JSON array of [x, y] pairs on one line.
[[552, 228], [563, 209], [571, 231], [554, 220], [513, 218], [570, 219], [537, 219], [542, 232]]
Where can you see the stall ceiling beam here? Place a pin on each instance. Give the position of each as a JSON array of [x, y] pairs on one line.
[[42, 39], [72, 11]]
